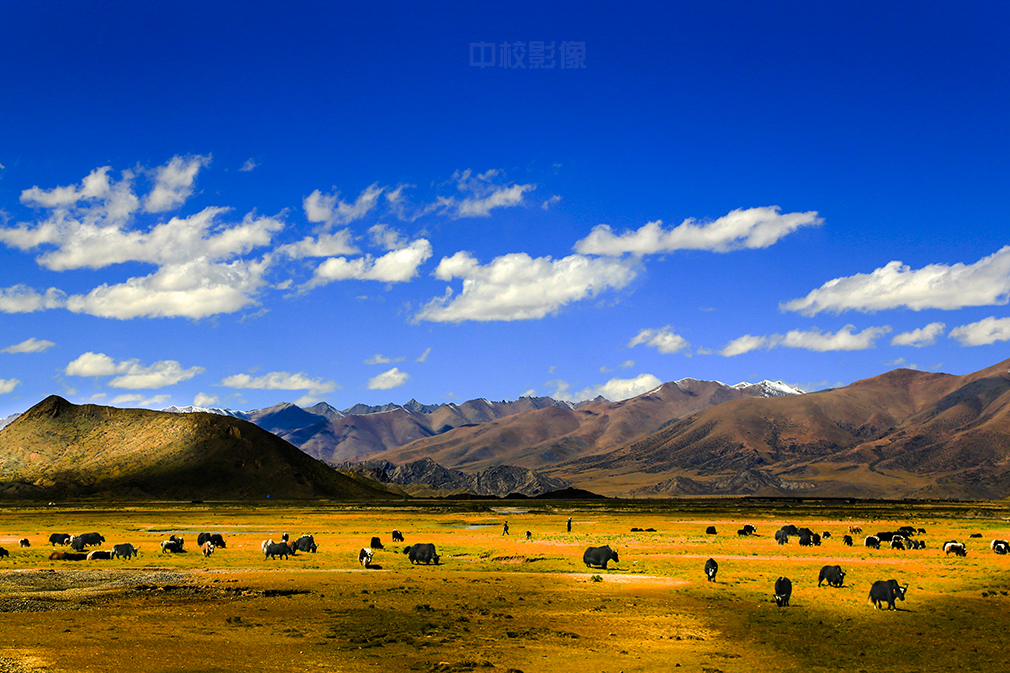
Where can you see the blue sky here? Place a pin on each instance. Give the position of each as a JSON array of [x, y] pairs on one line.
[[249, 203]]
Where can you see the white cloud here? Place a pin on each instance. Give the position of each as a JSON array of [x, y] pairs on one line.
[[480, 194], [131, 374], [387, 238], [520, 287], [86, 244], [744, 344], [842, 340], [984, 332], [550, 202], [8, 385], [984, 283], [31, 345], [159, 375], [740, 229], [92, 364], [424, 356], [95, 187], [23, 299], [174, 183], [324, 245], [924, 336], [248, 166], [205, 400], [280, 381], [663, 339], [614, 390], [396, 266], [812, 340], [394, 378], [197, 289], [330, 209], [379, 359], [140, 400]]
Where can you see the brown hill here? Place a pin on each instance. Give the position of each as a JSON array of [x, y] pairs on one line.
[[547, 436], [901, 433], [58, 450]]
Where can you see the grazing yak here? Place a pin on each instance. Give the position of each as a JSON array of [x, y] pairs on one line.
[[751, 530], [872, 541], [376, 543], [207, 548], [783, 590], [833, 575], [847, 540], [897, 542], [975, 535], [61, 539], [423, 552], [215, 539], [397, 536], [529, 535], [281, 549], [79, 542], [1000, 547], [305, 543], [171, 547], [126, 550], [826, 534], [23, 542], [781, 536], [711, 568], [886, 591], [599, 556], [808, 539], [66, 556], [100, 555], [4, 553], [956, 548], [710, 530], [856, 530], [365, 556]]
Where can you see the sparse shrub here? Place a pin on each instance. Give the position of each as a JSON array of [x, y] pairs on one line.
[[596, 578]]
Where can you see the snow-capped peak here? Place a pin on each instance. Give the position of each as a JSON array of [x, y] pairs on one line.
[[770, 388], [206, 410]]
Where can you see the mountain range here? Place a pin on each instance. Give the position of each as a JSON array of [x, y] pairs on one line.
[[904, 433], [336, 436]]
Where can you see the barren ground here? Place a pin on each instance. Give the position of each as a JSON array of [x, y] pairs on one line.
[[494, 603]]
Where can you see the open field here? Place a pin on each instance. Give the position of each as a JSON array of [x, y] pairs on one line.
[[498, 603]]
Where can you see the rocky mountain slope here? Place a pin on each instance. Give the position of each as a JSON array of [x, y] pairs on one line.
[[57, 449], [903, 433], [542, 438], [426, 477]]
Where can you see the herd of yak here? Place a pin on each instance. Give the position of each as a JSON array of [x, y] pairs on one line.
[[881, 591]]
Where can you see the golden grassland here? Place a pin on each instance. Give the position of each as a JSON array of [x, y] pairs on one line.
[[499, 603]]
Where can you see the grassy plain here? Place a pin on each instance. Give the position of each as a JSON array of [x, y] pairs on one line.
[[502, 603]]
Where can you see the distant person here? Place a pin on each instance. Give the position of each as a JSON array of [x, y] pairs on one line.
[[505, 529], [569, 524]]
